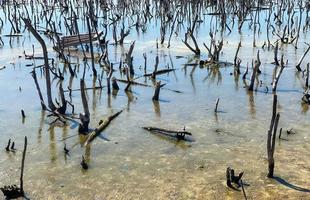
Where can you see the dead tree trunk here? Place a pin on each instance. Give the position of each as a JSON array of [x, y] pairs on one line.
[[157, 90], [109, 79], [302, 58], [216, 104], [237, 60], [91, 47], [196, 50], [271, 137], [46, 65], [63, 108], [114, 84], [34, 75], [256, 67], [129, 58], [276, 80], [307, 76], [84, 117], [22, 168], [153, 76], [276, 62]]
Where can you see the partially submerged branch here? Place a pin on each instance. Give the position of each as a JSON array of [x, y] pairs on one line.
[[178, 134], [103, 125], [302, 58]]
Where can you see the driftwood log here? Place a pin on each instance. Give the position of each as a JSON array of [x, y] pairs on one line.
[[178, 134], [158, 72], [103, 125], [231, 178]]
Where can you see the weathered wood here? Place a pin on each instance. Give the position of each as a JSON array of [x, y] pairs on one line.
[[133, 82], [216, 105], [196, 50], [101, 127], [157, 90], [84, 163], [22, 167], [158, 72], [307, 76], [150, 128], [255, 70], [245, 72], [271, 137], [306, 98], [8, 146], [114, 84], [46, 64], [243, 191], [276, 80], [280, 133], [145, 85], [302, 58], [34, 75], [62, 109], [91, 47], [231, 178], [129, 58], [23, 113], [236, 55], [153, 76], [109, 79], [123, 34], [12, 191], [129, 81], [228, 179], [75, 40], [276, 62], [217, 48], [84, 117]]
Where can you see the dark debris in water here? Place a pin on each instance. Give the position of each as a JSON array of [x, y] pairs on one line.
[[12, 191]]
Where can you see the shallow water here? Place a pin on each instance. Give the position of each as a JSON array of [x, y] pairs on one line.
[[135, 164]]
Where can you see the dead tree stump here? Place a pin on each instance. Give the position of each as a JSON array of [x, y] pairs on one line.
[[271, 137], [84, 117], [157, 90]]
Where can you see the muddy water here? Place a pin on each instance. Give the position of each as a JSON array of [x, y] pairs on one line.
[[135, 164]]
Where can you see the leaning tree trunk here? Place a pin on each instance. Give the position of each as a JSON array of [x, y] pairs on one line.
[[46, 65]]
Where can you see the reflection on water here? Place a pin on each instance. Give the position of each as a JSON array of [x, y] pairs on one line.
[[127, 162]]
